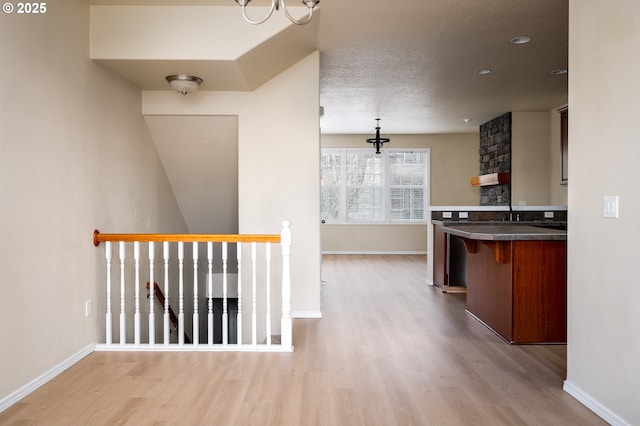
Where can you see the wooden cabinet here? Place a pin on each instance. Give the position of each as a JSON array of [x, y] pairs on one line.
[[519, 289]]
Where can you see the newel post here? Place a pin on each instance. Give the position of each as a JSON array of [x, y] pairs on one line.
[[286, 325]]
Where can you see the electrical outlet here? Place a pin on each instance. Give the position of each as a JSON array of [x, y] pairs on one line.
[[463, 215], [87, 308], [548, 215], [446, 215]]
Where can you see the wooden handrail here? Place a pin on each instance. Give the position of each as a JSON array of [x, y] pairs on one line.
[[187, 238]]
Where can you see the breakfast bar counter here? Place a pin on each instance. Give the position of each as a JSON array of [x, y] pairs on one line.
[[516, 279], [505, 232]]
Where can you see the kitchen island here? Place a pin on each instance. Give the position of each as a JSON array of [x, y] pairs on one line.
[[516, 280]]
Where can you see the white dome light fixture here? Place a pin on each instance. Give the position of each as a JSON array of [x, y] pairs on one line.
[[183, 83], [276, 5]]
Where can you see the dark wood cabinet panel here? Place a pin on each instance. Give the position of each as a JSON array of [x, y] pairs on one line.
[[540, 291], [521, 295], [489, 290]]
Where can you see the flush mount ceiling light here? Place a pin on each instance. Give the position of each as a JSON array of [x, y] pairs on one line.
[[276, 5], [520, 40], [378, 141], [482, 71], [184, 83], [467, 120]]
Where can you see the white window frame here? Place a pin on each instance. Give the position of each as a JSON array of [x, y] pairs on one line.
[[386, 187]]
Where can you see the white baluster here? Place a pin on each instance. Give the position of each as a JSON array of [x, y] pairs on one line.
[[225, 314], [123, 314], [286, 325], [136, 315], [254, 313], [181, 293], [239, 318], [196, 321], [209, 293], [165, 255], [268, 259], [152, 294], [108, 331]]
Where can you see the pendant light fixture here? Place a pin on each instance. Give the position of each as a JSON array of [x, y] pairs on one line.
[[378, 141], [276, 5]]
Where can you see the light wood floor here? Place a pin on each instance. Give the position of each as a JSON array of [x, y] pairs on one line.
[[389, 351]]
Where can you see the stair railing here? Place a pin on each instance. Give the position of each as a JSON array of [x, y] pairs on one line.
[[165, 300], [262, 292]]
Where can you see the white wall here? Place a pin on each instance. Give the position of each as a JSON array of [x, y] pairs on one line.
[[278, 162], [557, 192], [603, 288], [530, 165], [75, 155]]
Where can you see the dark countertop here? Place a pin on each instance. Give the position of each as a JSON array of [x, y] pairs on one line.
[[509, 231]]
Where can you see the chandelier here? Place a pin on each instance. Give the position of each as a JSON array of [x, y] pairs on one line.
[[276, 5], [378, 141]]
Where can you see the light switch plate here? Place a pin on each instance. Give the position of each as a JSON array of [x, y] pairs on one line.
[[463, 215], [446, 215], [610, 204], [548, 215]]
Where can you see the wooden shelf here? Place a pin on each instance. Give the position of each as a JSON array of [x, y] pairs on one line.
[[491, 179], [454, 289]]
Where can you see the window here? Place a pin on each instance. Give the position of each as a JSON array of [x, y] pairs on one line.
[[359, 186]]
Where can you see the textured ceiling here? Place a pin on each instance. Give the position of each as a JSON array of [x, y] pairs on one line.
[[412, 62]]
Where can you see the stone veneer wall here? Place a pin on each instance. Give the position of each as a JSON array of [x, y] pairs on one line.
[[495, 157]]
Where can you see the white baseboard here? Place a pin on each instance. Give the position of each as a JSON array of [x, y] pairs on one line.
[[44, 378], [594, 405], [306, 314], [374, 252], [429, 281]]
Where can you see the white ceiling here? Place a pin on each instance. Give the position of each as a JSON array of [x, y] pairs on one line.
[[411, 62]]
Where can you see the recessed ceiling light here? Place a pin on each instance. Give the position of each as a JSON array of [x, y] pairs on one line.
[[483, 71], [559, 72], [520, 40]]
